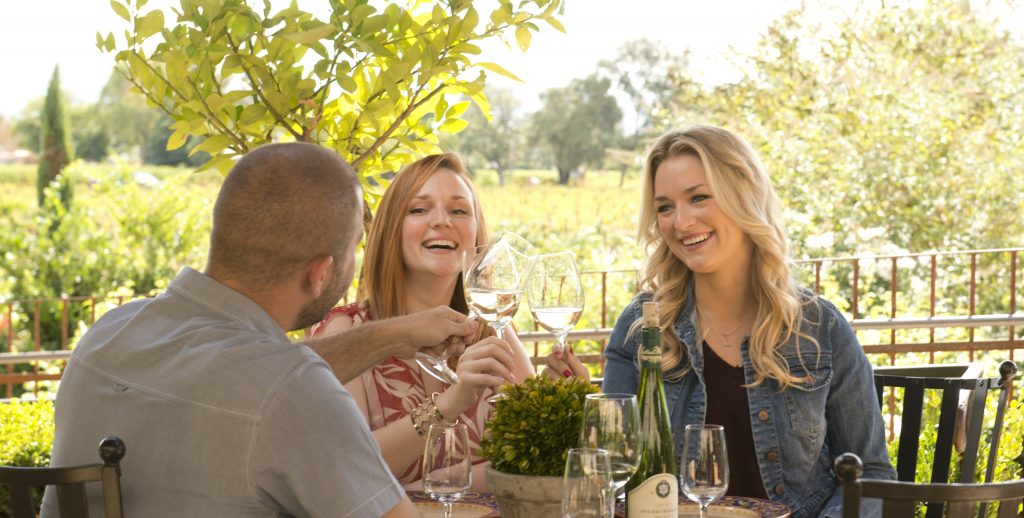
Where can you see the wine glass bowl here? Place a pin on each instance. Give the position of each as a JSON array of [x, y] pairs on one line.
[[555, 293], [447, 472], [587, 490], [437, 366], [612, 422], [493, 279], [705, 464]]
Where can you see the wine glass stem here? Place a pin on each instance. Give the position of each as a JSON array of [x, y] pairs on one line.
[[498, 330], [703, 509], [561, 341], [447, 506]]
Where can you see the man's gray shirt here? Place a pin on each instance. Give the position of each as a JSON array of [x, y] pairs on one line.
[[222, 415]]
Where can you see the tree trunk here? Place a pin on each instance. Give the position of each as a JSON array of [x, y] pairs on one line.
[[501, 175], [563, 176]]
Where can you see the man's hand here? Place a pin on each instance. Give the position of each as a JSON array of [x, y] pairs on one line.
[[436, 329]]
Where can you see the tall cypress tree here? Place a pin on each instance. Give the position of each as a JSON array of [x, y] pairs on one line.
[[54, 143]]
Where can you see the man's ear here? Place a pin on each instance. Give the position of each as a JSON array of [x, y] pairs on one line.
[[318, 274]]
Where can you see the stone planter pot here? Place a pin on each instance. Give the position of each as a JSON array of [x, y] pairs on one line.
[[523, 496]]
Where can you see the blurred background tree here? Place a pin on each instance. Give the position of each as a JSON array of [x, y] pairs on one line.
[[498, 142], [576, 124], [55, 151], [896, 128]]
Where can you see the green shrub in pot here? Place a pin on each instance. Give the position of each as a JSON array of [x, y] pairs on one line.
[[534, 424]]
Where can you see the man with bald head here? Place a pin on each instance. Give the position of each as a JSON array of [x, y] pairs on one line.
[[222, 415]]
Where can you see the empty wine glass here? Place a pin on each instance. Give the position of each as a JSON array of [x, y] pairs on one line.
[[587, 489], [705, 466], [555, 293], [447, 474], [611, 422]]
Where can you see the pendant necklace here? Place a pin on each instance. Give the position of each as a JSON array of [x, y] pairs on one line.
[[725, 336]]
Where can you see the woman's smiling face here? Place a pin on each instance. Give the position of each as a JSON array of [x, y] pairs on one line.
[[690, 221], [439, 225]]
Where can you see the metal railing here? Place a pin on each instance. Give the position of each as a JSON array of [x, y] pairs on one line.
[[898, 304]]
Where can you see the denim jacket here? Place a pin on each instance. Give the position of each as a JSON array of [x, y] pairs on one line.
[[798, 431]]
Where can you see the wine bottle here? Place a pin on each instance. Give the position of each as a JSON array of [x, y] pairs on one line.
[[653, 491]]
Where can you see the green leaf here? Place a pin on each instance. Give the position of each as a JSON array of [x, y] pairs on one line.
[[311, 36], [523, 38], [498, 69], [121, 10], [453, 126], [176, 140], [556, 24], [213, 145], [457, 110], [150, 24]]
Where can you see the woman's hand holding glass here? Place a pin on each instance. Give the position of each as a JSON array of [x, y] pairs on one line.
[[485, 364]]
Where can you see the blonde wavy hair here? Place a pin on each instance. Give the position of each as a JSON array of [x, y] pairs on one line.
[[741, 187]]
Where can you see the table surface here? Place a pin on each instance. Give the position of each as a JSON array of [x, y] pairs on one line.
[[484, 505]]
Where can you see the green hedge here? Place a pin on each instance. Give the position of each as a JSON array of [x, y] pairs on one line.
[[26, 439]]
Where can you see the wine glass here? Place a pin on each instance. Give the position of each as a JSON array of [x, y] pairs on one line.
[[587, 489], [555, 293], [447, 474], [612, 422], [705, 470], [493, 283]]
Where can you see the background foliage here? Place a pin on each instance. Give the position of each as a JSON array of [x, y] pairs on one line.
[[26, 439]]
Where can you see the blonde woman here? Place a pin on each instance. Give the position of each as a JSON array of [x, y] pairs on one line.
[[427, 218], [744, 346]]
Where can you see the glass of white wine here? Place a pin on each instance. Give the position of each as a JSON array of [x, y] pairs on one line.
[[493, 283], [705, 470], [611, 422], [555, 293]]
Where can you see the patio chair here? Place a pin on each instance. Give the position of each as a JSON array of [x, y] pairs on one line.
[[961, 412], [70, 484], [899, 499]]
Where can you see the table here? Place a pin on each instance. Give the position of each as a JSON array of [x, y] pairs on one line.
[[472, 505], [484, 505]]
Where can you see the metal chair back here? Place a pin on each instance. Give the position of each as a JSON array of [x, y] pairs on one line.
[[900, 499], [70, 484]]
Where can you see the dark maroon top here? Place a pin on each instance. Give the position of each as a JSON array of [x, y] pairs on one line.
[[727, 406]]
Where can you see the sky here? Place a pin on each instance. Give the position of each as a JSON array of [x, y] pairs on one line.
[[36, 35]]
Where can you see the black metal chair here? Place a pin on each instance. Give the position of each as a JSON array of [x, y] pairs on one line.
[[899, 499], [961, 413], [70, 484]]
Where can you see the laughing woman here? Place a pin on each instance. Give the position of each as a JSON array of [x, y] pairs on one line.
[[427, 218], [744, 346]]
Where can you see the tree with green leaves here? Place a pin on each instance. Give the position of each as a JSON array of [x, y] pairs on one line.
[[899, 131], [55, 151], [577, 123], [372, 81], [648, 76], [498, 141]]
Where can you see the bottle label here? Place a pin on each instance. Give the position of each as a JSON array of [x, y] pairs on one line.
[[650, 357], [656, 497]]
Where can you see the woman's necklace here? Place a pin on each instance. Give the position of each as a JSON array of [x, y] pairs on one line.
[[725, 336]]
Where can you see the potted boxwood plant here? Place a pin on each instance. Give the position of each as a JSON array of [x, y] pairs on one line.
[[526, 439]]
